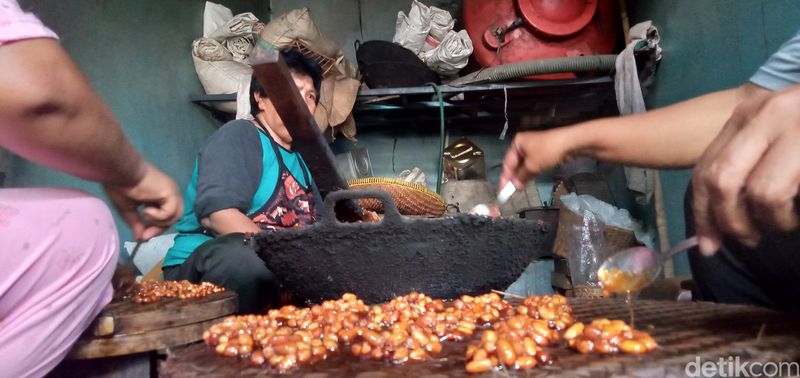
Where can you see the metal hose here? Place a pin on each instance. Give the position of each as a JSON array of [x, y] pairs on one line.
[[588, 63]]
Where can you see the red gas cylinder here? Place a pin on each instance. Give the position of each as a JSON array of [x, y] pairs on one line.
[[537, 29]]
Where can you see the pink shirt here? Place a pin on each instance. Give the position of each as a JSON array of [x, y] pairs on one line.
[[53, 280], [16, 24]]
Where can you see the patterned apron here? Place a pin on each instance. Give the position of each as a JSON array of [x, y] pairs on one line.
[[291, 204]]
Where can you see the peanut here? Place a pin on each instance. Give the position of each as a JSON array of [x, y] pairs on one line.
[[608, 336], [479, 366]]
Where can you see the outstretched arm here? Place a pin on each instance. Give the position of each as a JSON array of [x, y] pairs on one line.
[[669, 137]]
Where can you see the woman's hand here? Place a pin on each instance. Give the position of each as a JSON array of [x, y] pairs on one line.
[[149, 207]]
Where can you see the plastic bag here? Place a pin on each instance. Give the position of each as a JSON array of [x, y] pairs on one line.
[[415, 175], [607, 214], [428, 32], [149, 253], [243, 99], [587, 250]]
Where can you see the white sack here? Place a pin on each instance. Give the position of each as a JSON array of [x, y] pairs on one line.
[[243, 98], [238, 26], [240, 47], [441, 23], [210, 50], [214, 16], [218, 57], [451, 55], [221, 77], [297, 25], [412, 30]]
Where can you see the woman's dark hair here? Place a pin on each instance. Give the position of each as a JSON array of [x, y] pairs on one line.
[[298, 64]]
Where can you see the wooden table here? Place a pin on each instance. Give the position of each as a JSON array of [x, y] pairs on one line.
[[123, 339]]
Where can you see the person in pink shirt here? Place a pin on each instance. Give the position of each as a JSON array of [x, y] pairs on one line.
[[59, 247]]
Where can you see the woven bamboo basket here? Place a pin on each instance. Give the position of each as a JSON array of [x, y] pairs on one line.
[[325, 62], [411, 198]]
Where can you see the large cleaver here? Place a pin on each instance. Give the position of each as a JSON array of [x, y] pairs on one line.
[[271, 71]]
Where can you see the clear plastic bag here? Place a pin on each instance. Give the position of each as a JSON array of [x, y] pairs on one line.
[[587, 249]]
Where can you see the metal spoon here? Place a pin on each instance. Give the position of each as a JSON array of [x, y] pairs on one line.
[[493, 209], [632, 269]]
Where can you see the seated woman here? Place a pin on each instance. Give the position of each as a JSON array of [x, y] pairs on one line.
[[246, 179]]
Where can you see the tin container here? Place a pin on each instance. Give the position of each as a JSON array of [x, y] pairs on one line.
[[463, 160]]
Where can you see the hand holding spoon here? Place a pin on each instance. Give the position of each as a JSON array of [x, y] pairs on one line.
[[632, 269], [493, 210]]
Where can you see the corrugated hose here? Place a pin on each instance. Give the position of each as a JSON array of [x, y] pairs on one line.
[[588, 63]]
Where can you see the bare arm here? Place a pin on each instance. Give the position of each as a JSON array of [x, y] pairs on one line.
[[669, 137], [228, 221], [50, 114]]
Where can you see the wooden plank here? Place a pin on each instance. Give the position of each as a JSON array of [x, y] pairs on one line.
[[661, 225], [129, 344], [127, 318]]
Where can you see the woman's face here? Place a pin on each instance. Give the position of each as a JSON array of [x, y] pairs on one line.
[[309, 95]]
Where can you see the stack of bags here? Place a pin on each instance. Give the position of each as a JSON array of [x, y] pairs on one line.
[[220, 56], [340, 86], [221, 61], [428, 32]]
